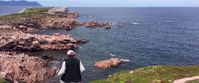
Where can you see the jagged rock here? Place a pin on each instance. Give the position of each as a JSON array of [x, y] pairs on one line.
[[55, 18], [107, 25], [94, 24], [27, 42], [5, 26], [105, 64], [72, 14], [59, 22], [58, 10], [23, 68]]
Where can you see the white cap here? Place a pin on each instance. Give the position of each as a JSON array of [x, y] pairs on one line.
[[70, 52]]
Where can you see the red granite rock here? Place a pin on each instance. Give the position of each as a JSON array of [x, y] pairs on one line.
[[20, 41], [23, 68], [105, 64]]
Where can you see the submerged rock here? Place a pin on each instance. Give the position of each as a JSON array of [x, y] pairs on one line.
[[20, 68], [105, 64]]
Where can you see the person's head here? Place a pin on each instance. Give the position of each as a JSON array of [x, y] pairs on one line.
[[71, 54]]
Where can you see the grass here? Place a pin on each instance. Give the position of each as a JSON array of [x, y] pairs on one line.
[[28, 13], [152, 74], [35, 10], [2, 80], [193, 81]]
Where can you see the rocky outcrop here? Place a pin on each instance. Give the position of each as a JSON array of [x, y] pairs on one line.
[[58, 10], [14, 37], [19, 41], [94, 24], [105, 64], [21, 68], [27, 25], [59, 22], [32, 21], [36, 24], [62, 11]]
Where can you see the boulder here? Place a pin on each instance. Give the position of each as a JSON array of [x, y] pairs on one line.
[[58, 10], [105, 64], [94, 24]]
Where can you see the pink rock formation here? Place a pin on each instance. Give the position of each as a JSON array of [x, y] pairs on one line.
[[105, 64], [59, 22], [20, 68], [54, 18], [20, 41], [94, 24]]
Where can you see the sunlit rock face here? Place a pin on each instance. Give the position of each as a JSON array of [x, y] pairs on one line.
[[105, 64], [19, 68], [58, 10], [19, 41]]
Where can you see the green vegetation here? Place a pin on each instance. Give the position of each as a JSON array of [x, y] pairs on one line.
[[193, 81], [28, 13], [152, 74], [2, 80], [35, 10]]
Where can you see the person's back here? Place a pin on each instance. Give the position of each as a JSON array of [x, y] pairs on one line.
[[72, 72], [71, 69]]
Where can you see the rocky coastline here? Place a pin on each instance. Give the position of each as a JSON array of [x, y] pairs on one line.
[[20, 41], [22, 68], [31, 20], [16, 39]]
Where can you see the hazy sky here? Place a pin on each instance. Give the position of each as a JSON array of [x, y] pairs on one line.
[[120, 3]]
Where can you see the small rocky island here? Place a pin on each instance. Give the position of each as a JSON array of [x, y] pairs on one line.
[[16, 39]]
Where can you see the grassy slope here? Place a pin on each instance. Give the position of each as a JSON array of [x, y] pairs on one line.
[[152, 74], [193, 81], [2, 80], [31, 12]]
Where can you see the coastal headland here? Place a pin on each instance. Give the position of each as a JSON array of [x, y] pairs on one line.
[[16, 39]]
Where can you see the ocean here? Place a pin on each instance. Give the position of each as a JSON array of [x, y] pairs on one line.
[[4, 10], [145, 36]]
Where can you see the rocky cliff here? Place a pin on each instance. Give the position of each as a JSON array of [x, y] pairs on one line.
[[15, 40]]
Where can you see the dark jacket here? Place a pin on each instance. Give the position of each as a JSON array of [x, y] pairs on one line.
[[72, 72]]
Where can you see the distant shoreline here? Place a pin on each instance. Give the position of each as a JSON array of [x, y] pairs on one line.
[[6, 10], [20, 3]]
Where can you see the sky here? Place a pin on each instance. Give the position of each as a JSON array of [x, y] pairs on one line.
[[120, 3]]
